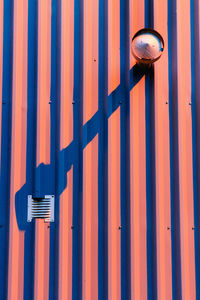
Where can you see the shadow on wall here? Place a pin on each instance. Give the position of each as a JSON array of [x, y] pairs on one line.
[[92, 127], [47, 175]]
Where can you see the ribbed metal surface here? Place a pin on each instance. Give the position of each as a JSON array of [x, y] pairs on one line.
[[119, 149], [41, 208]]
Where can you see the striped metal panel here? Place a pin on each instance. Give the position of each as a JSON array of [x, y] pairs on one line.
[[119, 148]]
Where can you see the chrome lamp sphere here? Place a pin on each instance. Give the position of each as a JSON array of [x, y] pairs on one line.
[[147, 46]]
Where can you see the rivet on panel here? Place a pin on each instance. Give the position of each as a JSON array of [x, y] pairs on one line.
[[168, 228], [73, 102], [166, 102], [72, 227], [120, 227], [193, 228], [190, 103]]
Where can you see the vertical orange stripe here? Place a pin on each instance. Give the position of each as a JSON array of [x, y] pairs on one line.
[[138, 170], [90, 87], [43, 143], [65, 241], [67, 72], [90, 154], [44, 65], [185, 150], [138, 192], [66, 137], [164, 266], [90, 221], [114, 217], [114, 220], [18, 154], [41, 288], [113, 44]]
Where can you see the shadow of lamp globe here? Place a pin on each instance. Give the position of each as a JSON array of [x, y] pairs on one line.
[[147, 47]]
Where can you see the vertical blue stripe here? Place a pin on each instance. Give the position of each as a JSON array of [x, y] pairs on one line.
[[174, 155], [36, 189], [125, 151], [150, 186], [55, 143], [150, 168], [149, 13], [78, 152], [103, 153], [6, 128]]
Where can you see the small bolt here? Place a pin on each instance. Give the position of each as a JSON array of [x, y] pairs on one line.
[[72, 227], [166, 102], [73, 102], [50, 102], [48, 226], [193, 228], [94, 59], [120, 227], [120, 102], [168, 228], [190, 103]]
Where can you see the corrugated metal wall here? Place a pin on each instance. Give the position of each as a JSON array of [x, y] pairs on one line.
[[119, 149]]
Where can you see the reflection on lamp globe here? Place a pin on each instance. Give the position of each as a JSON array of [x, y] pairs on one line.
[[147, 46]]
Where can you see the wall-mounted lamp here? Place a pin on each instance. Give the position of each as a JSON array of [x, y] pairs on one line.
[[147, 46]]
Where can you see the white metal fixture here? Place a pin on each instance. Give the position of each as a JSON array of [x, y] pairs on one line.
[[42, 208], [147, 46]]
